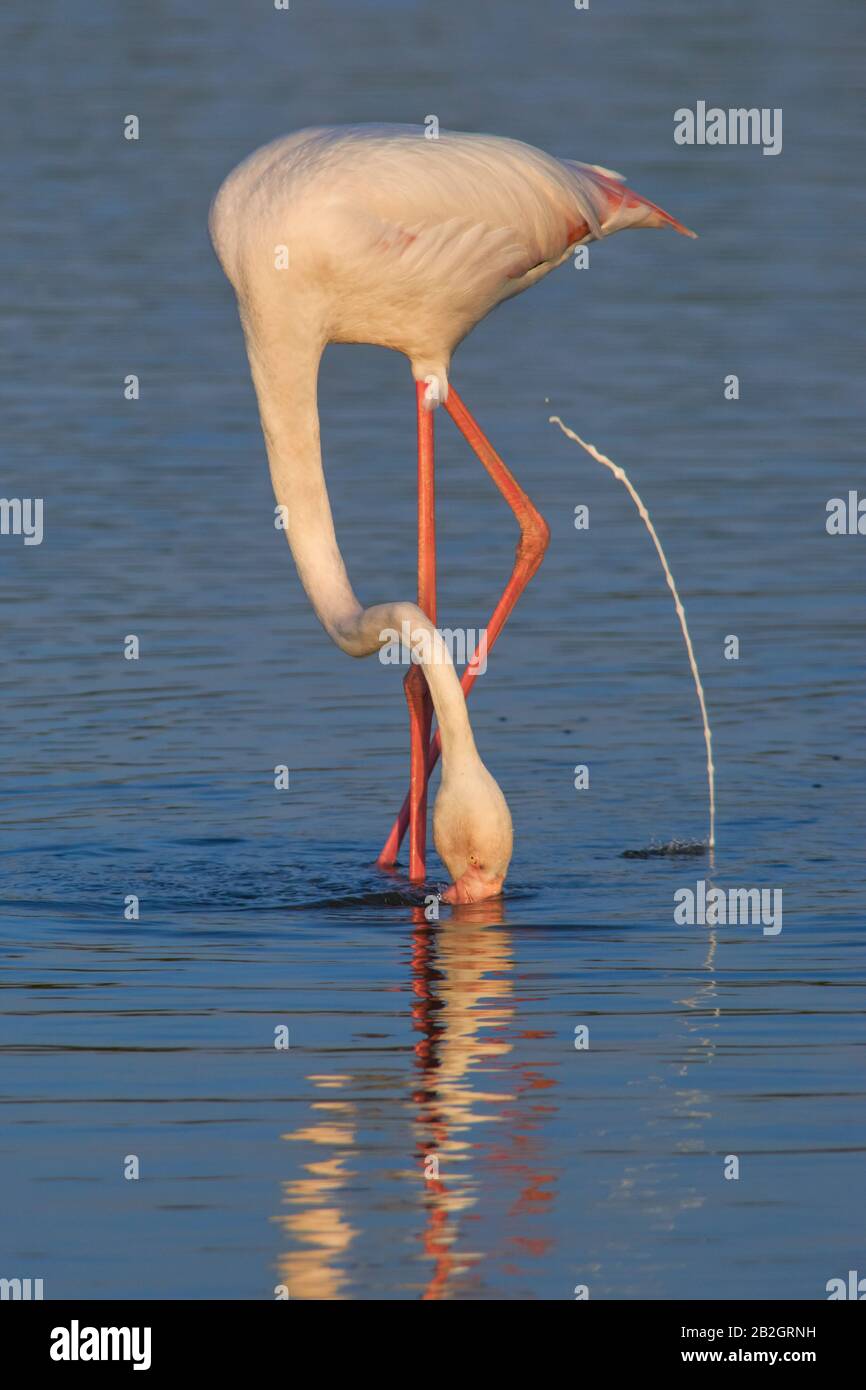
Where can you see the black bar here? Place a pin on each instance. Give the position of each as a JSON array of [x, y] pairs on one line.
[[238, 1337]]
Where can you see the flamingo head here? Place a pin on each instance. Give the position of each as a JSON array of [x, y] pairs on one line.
[[472, 832]]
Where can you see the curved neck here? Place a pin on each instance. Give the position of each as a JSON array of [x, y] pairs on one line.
[[285, 375]]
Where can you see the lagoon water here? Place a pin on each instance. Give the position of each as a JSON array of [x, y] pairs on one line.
[[558, 1165]]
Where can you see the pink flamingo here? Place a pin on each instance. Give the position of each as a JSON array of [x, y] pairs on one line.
[[377, 234]]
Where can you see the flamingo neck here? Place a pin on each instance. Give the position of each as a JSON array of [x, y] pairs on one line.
[[286, 381]]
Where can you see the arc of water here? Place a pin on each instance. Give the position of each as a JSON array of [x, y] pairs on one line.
[[623, 477]]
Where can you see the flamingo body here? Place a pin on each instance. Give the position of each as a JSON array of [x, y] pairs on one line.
[[407, 242]]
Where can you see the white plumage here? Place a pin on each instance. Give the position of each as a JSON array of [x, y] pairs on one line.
[[404, 241]]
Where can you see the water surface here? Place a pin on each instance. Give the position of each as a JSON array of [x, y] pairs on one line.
[[262, 909]]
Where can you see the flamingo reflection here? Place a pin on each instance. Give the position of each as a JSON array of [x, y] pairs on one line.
[[474, 1110]]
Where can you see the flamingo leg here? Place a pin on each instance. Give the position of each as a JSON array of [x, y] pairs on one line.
[[534, 536], [415, 686]]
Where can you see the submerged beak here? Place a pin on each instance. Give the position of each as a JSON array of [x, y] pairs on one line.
[[473, 887]]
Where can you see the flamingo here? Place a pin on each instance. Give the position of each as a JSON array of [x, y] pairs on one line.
[[379, 234]]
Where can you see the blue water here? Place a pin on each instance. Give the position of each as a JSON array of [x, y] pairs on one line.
[[261, 908]]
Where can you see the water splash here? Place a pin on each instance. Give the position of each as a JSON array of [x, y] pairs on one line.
[[672, 849], [621, 474]]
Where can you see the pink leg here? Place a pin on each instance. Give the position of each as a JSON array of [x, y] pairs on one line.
[[534, 535], [415, 686]]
